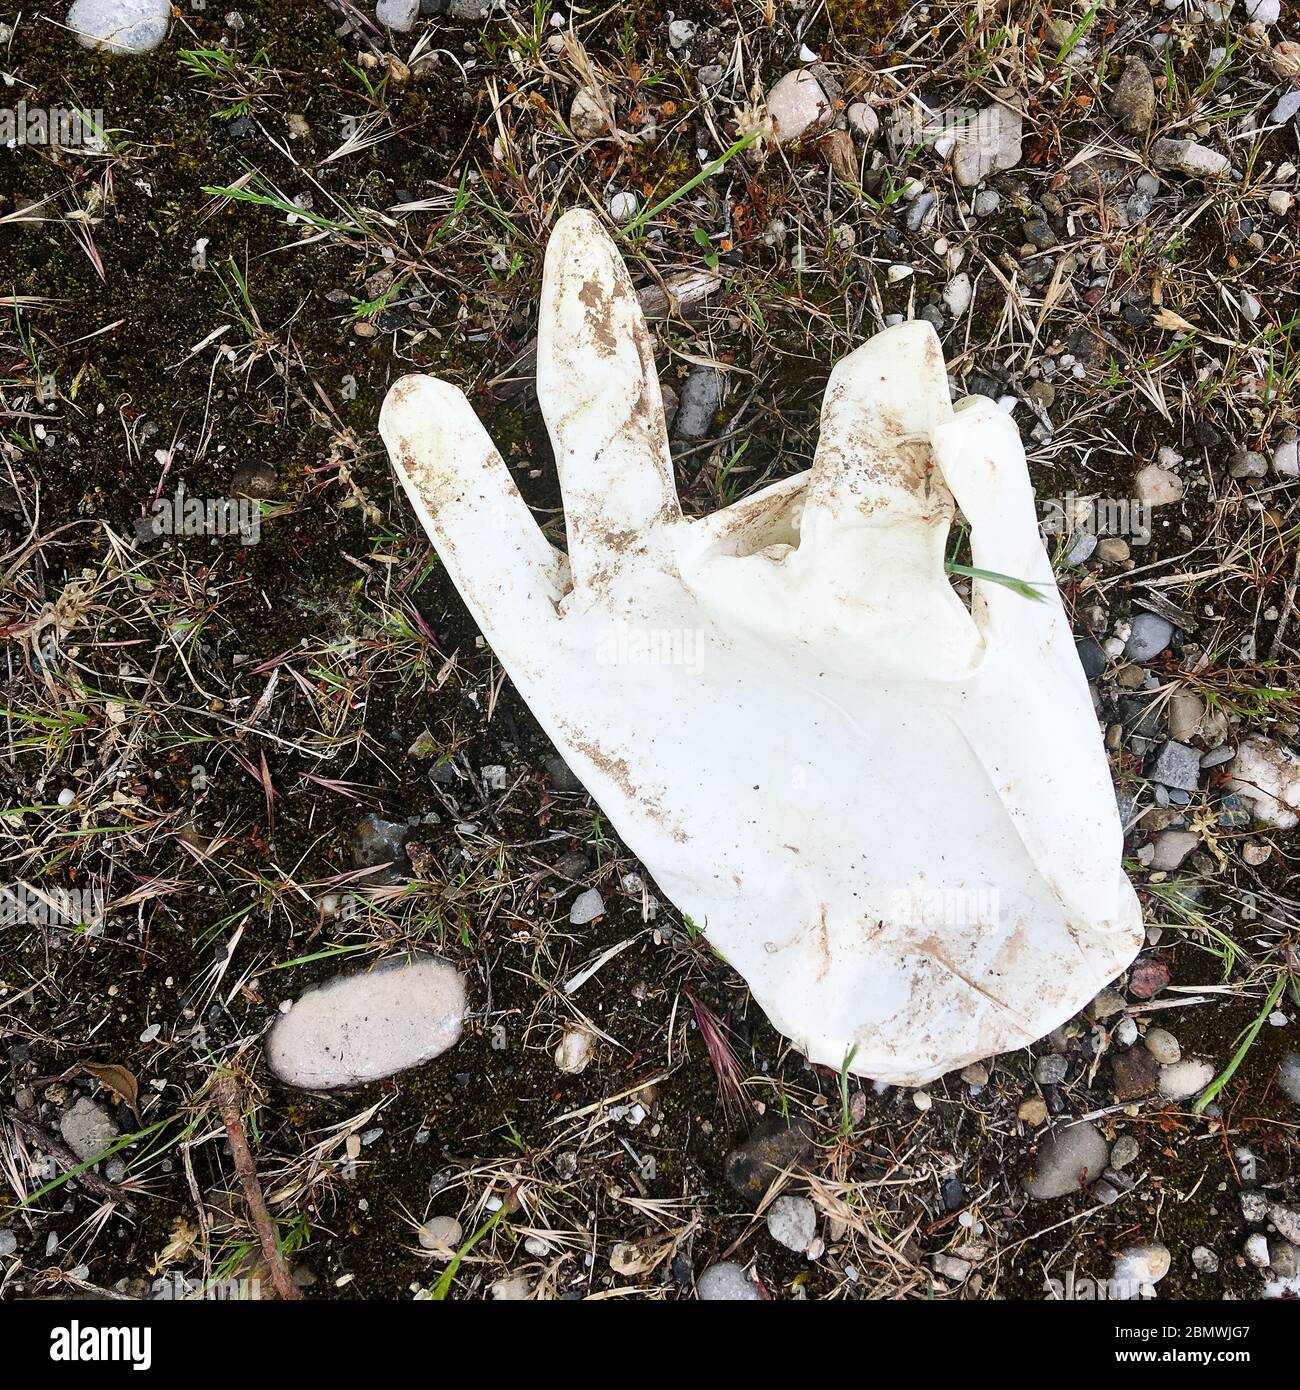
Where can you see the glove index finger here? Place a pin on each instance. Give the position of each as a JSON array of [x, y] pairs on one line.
[[508, 573]]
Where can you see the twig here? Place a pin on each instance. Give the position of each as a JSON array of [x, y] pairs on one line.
[[56, 1148], [229, 1100]]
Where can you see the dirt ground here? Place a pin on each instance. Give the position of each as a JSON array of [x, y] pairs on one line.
[[286, 214]]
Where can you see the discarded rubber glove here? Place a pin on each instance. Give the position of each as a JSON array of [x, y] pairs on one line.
[[891, 814]]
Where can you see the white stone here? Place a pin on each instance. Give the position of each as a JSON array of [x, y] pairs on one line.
[[957, 295], [120, 26], [1280, 202], [1188, 158], [1157, 487], [1185, 1079], [586, 119], [798, 106], [574, 1051], [1163, 1046], [398, 14], [1286, 457], [727, 1283], [442, 1235], [1256, 1249], [863, 121], [1140, 1267], [586, 907], [990, 142], [1286, 107], [792, 1222], [87, 1128], [1268, 776], [1288, 1075], [1263, 11], [623, 206], [360, 1027]]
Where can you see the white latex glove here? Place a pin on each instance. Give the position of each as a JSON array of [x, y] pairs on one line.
[[893, 817]]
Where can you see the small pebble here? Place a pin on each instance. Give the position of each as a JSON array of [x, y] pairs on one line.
[[792, 1222]]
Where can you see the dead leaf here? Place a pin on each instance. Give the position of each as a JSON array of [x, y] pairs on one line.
[[118, 1080], [183, 1239], [1174, 323]]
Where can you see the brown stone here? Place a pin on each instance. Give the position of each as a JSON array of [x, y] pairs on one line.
[[1150, 975], [1136, 1074], [774, 1146]]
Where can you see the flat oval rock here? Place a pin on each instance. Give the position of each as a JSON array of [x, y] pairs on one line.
[[362, 1027]]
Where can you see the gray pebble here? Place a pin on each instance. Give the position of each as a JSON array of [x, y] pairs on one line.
[[1050, 1070], [586, 908], [792, 1222], [727, 1282], [1163, 1046], [1067, 1158], [1124, 1152], [1176, 765], [1150, 635], [702, 394]]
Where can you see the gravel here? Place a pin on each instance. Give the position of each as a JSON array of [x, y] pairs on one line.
[[1288, 1076], [703, 392], [1135, 1073], [398, 15], [1133, 103], [120, 26], [1050, 1070], [586, 907], [775, 1145], [1189, 158], [1157, 487], [798, 106], [87, 1128], [1140, 1267], [574, 1051], [1066, 1159], [378, 841], [727, 1283], [1150, 635], [1176, 765], [441, 1234], [1268, 777], [1185, 1079], [365, 1026], [957, 295], [1172, 848], [993, 143], [1163, 1046], [1125, 1150], [792, 1222]]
